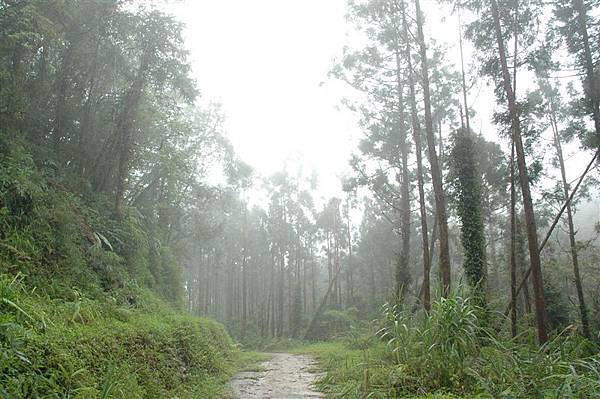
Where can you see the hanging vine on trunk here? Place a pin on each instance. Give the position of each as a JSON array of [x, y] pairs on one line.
[[466, 184]]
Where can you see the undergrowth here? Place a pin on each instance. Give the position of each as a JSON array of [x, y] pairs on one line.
[[451, 352], [90, 304], [99, 349]]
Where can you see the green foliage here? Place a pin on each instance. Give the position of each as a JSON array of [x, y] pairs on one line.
[[344, 370], [450, 353], [334, 323], [96, 317], [98, 349], [61, 241], [557, 305], [433, 349], [466, 182]]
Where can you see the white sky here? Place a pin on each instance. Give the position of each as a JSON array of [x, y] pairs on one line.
[[266, 62]]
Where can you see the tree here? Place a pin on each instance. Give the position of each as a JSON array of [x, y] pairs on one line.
[[534, 256], [551, 108], [489, 36], [417, 133], [377, 70], [436, 174], [574, 22], [466, 182]]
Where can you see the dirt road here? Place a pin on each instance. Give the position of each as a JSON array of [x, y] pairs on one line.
[[285, 376]]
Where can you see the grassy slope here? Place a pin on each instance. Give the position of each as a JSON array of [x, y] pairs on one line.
[[90, 305], [98, 349]]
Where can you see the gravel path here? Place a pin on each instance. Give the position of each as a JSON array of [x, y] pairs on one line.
[[285, 376]]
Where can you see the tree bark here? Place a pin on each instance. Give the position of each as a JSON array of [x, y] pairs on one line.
[[322, 304], [553, 225], [402, 268], [513, 254], [592, 87], [436, 174], [532, 238], [513, 196], [573, 245], [464, 83], [417, 133]]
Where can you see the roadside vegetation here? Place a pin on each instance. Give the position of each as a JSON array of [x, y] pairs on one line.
[[100, 144], [98, 348], [454, 351], [89, 305]]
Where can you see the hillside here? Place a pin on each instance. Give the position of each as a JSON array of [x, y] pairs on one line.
[[90, 305]]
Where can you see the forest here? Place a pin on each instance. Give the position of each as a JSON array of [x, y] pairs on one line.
[[141, 256]]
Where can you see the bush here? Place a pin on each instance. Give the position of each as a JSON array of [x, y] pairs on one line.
[[333, 323], [435, 349], [59, 240]]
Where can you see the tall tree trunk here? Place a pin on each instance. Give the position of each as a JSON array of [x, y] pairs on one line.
[[591, 84], [245, 273], [532, 238], [244, 291], [281, 299], [513, 194], [372, 284], [416, 130], [574, 258], [436, 173], [329, 261], [513, 255], [315, 317], [554, 223], [313, 282], [304, 287], [272, 296], [402, 268], [494, 277], [521, 254], [464, 83], [349, 270]]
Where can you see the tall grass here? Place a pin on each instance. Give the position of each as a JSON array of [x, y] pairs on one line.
[[451, 349], [451, 352]]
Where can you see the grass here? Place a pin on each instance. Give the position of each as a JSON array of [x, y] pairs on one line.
[[90, 305], [451, 353], [249, 361], [97, 349], [359, 372], [98, 316]]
